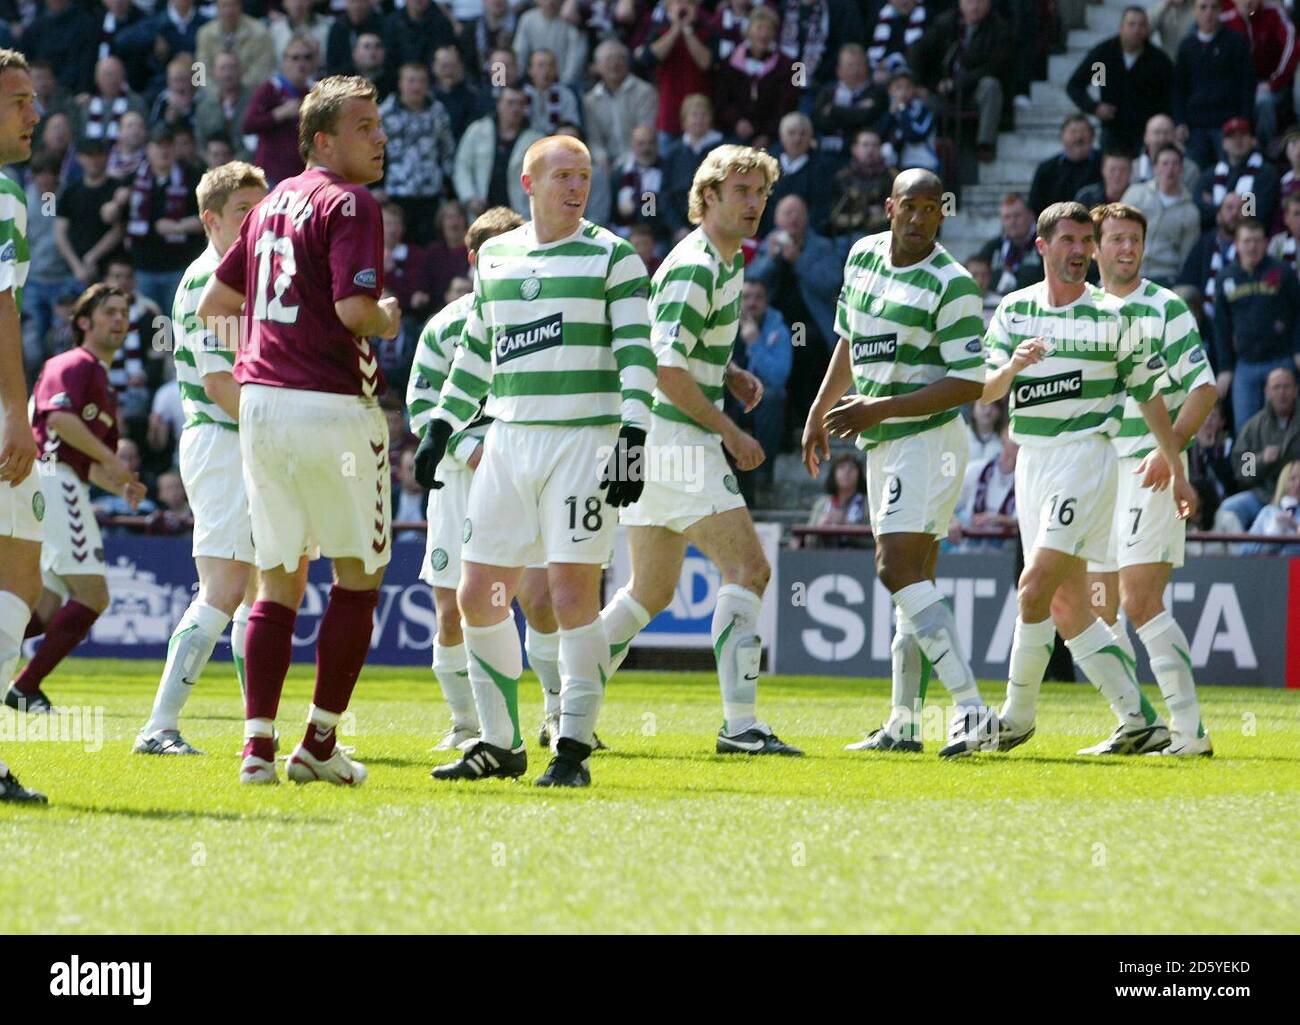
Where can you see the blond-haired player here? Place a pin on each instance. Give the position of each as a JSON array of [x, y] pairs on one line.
[[211, 469], [694, 314]]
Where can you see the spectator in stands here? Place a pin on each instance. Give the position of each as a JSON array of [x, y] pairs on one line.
[[1171, 21], [406, 266], [638, 186], [298, 16], [678, 53], [984, 423], [1256, 320], [684, 157], [1282, 246], [107, 504], [616, 104], [494, 29], [755, 86], [1214, 250], [84, 238], [988, 494], [965, 58], [859, 192], [803, 170], [768, 355], [1133, 81], [66, 36], [99, 112], [898, 27], [1266, 442], [57, 142], [148, 45], [221, 107], [1159, 134], [148, 336], [1280, 518], [410, 500], [173, 515], [1013, 257], [112, 17], [490, 157], [1270, 34], [460, 98], [420, 153], [643, 240], [448, 257], [1059, 178], [543, 28], [1290, 181], [166, 418], [273, 111], [504, 72], [233, 31], [1173, 222], [1116, 177], [358, 18], [1209, 465], [1242, 170], [127, 153], [812, 32], [729, 23], [370, 61], [843, 504], [414, 32], [217, 150], [982, 271], [48, 273], [852, 102], [175, 104], [550, 101], [163, 230], [803, 274], [51, 97], [1214, 82], [908, 126]]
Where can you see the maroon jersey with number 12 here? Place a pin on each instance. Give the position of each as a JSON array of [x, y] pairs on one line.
[[74, 382], [316, 239]]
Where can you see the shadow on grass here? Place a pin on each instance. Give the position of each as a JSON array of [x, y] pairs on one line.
[[178, 814]]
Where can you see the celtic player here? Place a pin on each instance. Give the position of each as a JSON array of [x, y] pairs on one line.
[[909, 325], [22, 504], [1147, 539], [1064, 351], [695, 313], [557, 340], [210, 469], [446, 518]]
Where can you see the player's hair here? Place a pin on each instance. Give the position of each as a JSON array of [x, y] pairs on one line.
[[722, 161], [489, 224], [1251, 224], [1104, 212], [219, 184], [13, 60], [324, 104], [87, 303], [1058, 212]]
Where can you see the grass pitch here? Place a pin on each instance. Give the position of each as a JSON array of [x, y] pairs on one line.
[[670, 838]]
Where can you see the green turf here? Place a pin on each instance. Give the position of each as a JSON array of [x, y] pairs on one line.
[[670, 837]]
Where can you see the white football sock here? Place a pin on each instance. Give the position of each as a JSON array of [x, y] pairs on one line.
[[14, 615], [624, 617], [496, 661], [544, 659], [1099, 655], [188, 652], [936, 633], [1120, 629], [239, 641], [451, 667], [1031, 650], [738, 652], [1171, 662], [584, 668], [907, 680]]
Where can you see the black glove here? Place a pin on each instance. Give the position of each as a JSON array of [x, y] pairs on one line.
[[624, 476], [433, 446]]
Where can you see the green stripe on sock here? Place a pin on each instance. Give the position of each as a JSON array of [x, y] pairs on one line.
[[1130, 667], [1185, 657], [617, 649], [1148, 711], [509, 689], [722, 639], [239, 673]]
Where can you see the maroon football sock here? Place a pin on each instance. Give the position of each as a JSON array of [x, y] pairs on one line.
[[260, 747], [68, 628], [342, 646], [268, 650], [35, 626]]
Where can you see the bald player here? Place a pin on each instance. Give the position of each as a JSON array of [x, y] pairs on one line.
[[558, 341], [910, 325]]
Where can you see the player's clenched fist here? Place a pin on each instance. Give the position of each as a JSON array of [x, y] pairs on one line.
[[433, 446]]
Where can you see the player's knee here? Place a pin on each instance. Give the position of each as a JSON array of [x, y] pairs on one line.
[[92, 595], [1034, 599], [1141, 608]]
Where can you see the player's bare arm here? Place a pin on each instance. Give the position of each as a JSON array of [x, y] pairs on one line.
[[1156, 415], [367, 317], [220, 309], [684, 393], [1155, 472], [223, 389], [69, 428], [998, 382], [858, 413], [744, 386], [17, 446], [838, 380]]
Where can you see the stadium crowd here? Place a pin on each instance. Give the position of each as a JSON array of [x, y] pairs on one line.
[[1194, 101]]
